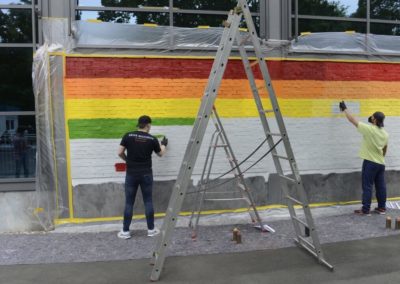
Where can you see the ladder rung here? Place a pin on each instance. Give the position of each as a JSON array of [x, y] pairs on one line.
[[288, 179], [309, 244], [300, 221], [243, 41], [314, 253], [222, 192], [273, 134], [254, 63], [280, 157], [224, 199], [295, 200], [266, 111], [220, 146]]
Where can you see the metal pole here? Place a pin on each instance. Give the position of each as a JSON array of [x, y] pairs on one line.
[[33, 12], [368, 26], [171, 24], [69, 17], [290, 19], [40, 22], [296, 19]]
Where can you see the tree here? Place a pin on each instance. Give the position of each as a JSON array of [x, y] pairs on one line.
[[182, 20], [321, 8], [381, 9]]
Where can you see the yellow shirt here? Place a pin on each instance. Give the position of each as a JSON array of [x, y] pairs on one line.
[[374, 140]]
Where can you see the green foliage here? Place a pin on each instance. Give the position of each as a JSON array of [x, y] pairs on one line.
[[384, 10], [321, 8], [180, 20]]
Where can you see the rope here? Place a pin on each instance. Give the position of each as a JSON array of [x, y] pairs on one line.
[[231, 179]]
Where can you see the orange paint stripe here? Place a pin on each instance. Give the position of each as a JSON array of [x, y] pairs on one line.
[[135, 88]]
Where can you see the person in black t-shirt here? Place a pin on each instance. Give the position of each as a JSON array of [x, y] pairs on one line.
[[139, 145]]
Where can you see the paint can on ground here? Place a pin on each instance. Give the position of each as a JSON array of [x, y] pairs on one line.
[[388, 222], [397, 226], [235, 232], [239, 238]]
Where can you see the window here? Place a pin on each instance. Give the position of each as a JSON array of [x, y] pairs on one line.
[[17, 106]]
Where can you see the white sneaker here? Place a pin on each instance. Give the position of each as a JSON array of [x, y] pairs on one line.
[[124, 235], [152, 233]]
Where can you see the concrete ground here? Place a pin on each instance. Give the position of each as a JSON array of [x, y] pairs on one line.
[[359, 247]]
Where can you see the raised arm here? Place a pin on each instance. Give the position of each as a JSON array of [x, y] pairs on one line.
[[349, 116]]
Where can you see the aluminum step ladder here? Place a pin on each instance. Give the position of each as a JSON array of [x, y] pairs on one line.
[[306, 234], [219, 139]]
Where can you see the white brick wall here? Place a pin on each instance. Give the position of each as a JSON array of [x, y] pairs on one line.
[[321, 145]]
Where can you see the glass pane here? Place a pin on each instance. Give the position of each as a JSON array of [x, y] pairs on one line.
[[221, 5], [17, 146], [385, 9], [333, 8], [385, 29], [18, 2], [15, 26], [318, 26], [124, 3], [16, 79], [195, 20], [161, 19]]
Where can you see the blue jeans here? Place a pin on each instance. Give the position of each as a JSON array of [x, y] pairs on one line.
[[373, 173], [132, 182]]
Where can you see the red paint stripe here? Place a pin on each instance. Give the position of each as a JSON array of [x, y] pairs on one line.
[[86, 67]]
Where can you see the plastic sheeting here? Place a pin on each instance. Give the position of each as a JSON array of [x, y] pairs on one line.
[[51, 174], [347, 43], [110, 35], [163, 38]]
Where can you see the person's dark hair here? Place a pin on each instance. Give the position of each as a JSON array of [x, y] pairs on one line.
[[380, 117], [143, 121]]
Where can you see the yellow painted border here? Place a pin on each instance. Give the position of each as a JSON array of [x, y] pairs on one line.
[[52, 138], [67, 147], [303, 59], [209, 212]]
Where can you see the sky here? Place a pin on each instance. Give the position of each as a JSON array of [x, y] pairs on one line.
[[351, 4]]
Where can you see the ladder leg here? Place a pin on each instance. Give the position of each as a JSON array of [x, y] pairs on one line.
[[192, 150], [204, 189], [202, 182]]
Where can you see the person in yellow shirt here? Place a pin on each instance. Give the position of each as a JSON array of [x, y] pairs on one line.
[[373, 150]]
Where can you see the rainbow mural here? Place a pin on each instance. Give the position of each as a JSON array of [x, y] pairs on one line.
[[104, 95]]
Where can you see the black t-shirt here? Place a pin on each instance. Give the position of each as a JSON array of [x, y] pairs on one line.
[[139, 145]]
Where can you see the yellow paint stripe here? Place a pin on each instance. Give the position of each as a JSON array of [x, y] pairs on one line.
[[68, 153], [209, 212], [169, 108]]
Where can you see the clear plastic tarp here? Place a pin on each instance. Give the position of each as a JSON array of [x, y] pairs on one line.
[[339, 42], [111, 35], [51, 177]]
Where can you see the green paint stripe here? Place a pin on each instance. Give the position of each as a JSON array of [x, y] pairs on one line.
[[114, 128]]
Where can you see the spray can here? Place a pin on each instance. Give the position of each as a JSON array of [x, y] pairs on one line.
[[388, 222], [397, 226], [239, 238], [235, 232]]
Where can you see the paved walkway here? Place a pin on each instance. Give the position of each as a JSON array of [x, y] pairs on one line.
[[360, 248], [366, 261]]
